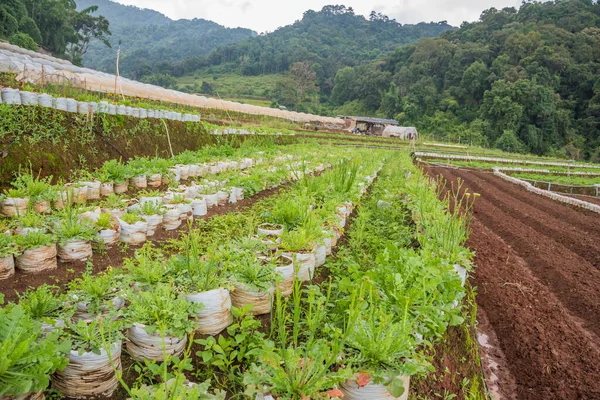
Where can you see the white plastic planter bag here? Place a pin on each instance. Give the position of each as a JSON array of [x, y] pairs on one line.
[[112, 109], [237, 194], [93, 189], [14, 206], [7, 267], [171, 220], [175, 174], [107, 188], [42, 207], [109, 237], [155, 200], [139, 182], [11, 96], [83, 107], [211, 200], [222, 197], [26, 231], [60, 104], [89, 375], [36, 260], [121, 187], [262, 301], [115, 213], [154, 180], [144, 346], [304, 265], [29, 99], [371, 391], [133, 233], [92, 215], [216, 315], [184, 171], [185, 209], [199, 207], [320, 253], [153, 222], [82, 311], [72, 105], [78, 193], [195, 171], [75, 250], [287, 273], [267, 229]]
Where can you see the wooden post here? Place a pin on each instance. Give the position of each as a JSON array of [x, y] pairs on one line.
[[117, 70]]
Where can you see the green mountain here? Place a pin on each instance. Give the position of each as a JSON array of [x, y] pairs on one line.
[[329, 39], [524, 80], [148, 38]]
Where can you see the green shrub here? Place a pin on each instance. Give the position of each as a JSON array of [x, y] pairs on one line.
[[23, 40]]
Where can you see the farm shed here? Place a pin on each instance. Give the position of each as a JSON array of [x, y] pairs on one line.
[[402, 132], [368, 125]]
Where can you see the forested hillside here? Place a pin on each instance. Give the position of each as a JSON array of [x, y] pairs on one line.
[[328, 40], [55, 25], [527, 80], [151, 42]]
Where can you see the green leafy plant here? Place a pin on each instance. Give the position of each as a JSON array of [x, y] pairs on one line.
[[37, 188], [131, 218], [193, 272], [34, 240], [92, 337], [114, 171], [96, 291], [105, 222], [44, 303], [226, 357], [8, 246], [72, 227], [28, 359], [113, 201], [148, 267], [152, 208], [161, 310]]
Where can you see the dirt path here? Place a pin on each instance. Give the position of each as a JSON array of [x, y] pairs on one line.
[[539, 288]]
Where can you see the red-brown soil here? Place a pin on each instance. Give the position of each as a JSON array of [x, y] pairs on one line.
[[538, 279]]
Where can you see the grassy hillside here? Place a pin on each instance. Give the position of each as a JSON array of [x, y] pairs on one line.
[[247, 89]]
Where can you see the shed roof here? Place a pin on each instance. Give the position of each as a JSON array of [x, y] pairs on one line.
[[370, 120]]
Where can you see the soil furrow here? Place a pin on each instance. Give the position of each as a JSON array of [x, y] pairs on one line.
[[538, 288], [583, 243]]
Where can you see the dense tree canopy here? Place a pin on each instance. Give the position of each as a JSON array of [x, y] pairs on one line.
[[54, 24], [329, 39], [526, 79], [150, 42]]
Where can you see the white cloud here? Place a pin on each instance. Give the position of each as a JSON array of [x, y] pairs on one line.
[[268, 15]]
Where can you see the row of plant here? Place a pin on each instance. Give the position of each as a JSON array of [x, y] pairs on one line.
[[118, 177], [72, 233], [491, 165], [457, 157], [79, 94], [151, 299], [393, 290], [559, 179]]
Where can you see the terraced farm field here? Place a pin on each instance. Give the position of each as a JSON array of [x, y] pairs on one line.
[[538, 282]]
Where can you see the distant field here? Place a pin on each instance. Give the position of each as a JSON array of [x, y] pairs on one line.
[[244, 89]]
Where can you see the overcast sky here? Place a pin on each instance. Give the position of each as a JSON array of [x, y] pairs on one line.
[[268, 15]]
